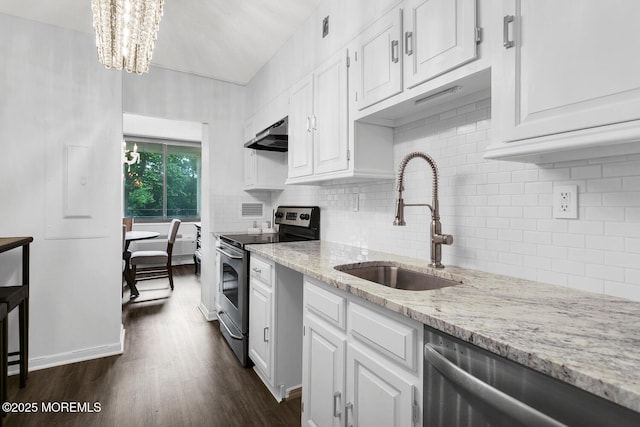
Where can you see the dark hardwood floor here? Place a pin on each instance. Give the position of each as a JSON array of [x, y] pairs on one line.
[[176, 370]]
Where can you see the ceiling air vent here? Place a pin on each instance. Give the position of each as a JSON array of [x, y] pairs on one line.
[[252, 210]]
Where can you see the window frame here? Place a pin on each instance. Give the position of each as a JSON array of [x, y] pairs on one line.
[[164, 142]]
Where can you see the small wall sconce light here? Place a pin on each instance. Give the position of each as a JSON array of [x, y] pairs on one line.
[[130, 157]]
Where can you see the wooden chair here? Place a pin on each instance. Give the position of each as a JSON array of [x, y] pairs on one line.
[[158, 262]]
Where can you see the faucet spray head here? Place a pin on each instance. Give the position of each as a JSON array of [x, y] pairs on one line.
[[399, 220]]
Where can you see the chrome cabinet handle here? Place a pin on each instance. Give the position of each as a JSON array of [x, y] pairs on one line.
[[394, 51], [348, 408], [505, 31], [308, 124], [265, 334], [256, 270], [408, 36], [336, 406], [314, 122], [489, 395]]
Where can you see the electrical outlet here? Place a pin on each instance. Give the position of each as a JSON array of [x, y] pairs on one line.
[[565, 201]]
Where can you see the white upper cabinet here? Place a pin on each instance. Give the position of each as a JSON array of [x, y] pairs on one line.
[[378, 59], [318, 121], [419, 55], [439, 35], [330, 115], [566, 80], [300, 132], [263, 170]]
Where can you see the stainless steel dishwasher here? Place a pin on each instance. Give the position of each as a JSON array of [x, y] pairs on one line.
[[465, 385]]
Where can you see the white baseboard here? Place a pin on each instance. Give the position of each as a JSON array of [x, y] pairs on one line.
[[208, 314], [66, 358]]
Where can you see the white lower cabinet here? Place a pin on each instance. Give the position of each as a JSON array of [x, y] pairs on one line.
[[378, 394], [275, 325], [261, 303], [361, 364], [323, 374]]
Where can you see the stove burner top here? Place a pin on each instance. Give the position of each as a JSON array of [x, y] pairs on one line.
[[297, 223], [252, 239]]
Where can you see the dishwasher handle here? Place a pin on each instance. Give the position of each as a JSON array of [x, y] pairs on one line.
[[493, 397]]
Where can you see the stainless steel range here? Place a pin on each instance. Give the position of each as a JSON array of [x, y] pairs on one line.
[[296, 223]]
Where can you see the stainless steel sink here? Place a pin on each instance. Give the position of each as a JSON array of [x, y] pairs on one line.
[[393, 276]]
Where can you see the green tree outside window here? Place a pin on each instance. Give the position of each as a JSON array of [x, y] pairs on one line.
[[165, 184]]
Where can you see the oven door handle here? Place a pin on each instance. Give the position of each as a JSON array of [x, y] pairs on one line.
[[222, 322], [228, 254], [493, 397]]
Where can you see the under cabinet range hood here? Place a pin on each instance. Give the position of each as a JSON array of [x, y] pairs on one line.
[[273, 138]]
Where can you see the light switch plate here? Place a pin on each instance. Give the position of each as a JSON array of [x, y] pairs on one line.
[[565, 201]]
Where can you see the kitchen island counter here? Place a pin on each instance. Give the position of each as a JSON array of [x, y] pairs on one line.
[[585, 339]]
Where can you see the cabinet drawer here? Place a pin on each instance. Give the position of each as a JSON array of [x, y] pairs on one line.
[[393, 338], [260, 269], [325, 303]]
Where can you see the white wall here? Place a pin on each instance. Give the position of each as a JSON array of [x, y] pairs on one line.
[[500, 213], [54, 93]]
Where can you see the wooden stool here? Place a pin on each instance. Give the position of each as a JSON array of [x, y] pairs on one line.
[[3, 366], [10, 298]]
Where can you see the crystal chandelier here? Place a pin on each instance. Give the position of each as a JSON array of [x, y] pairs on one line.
[[126, 31]]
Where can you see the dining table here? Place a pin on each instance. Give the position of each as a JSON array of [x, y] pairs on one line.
[[129, 237]]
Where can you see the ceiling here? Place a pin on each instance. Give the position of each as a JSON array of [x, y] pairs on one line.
[[228, 40]]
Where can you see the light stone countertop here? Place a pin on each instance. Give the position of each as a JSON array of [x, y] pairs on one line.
[[589, 340]]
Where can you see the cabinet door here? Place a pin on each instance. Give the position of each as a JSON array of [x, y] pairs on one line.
[[300, 132], [440, 35], [260, 326], [573, 65], [376, 395], [249, 167], [330, 121], [323, 356], [378, 60]]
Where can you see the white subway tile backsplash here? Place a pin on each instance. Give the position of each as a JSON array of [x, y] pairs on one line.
[[538, 212], [537, 237], [500, 213], [604, 213], [632, 245], [623, 169], [632, 276], [588, 284], [604, 185], [621, 289], [567, 266], [627, 198], [553, 277], [626, 229], [582, 172], [631, 183], [605, 272], [586, 227]]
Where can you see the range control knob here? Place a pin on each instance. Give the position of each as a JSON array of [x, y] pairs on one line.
[[305, 216], [279, 214]]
